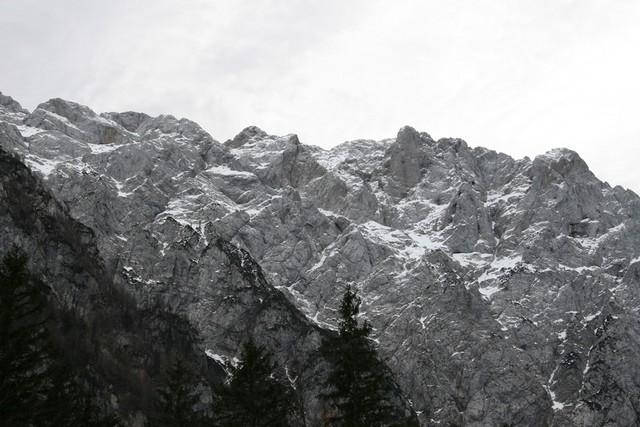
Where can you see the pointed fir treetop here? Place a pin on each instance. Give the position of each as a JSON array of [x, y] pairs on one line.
[[175, 406], [359, 388], [349, 309], [254, 396]]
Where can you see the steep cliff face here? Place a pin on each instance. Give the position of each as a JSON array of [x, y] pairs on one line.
[[134, 281], [111, 343], [501, 291]]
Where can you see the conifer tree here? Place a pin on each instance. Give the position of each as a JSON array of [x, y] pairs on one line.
[[175, 407], [37, 387], [254, 396], [360, 385], [24, 359]]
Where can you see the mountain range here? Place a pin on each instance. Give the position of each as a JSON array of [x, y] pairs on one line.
[[501, 291]]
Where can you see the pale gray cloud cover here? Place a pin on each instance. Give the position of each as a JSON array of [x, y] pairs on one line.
[[516, 76]]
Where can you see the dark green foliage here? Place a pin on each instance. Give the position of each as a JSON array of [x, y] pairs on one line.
[[86, 413], [23, 364], [254, 397], [359, 386], [37, 386], [67, 403], [175, 407]]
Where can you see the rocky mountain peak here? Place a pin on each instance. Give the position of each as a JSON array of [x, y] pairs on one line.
[[562, 161], [564, 170], [76, 121], [182, 129], [8, 103], [129, 120], [408, 155], [72, 111], [455, 145], [407, 135], [247, 134], [11, 111]]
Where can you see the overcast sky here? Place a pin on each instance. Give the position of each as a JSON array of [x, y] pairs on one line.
[[517, 76]]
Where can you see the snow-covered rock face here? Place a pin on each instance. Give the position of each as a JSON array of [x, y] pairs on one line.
[[501, 291]]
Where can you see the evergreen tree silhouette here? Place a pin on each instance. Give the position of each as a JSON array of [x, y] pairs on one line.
[[37, 386], [175, 407], [360, 385], [254, 396]]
